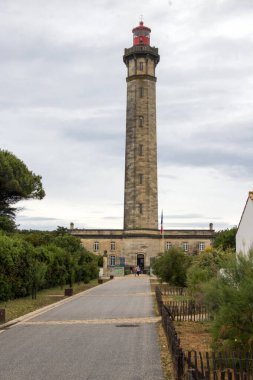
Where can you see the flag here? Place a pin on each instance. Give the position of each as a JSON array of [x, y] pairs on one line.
[[162, 222]]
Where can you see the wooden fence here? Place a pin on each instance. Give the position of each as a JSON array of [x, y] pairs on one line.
[[193, 365], [188, 311], [182, 310], [215, 366], [172, 290]]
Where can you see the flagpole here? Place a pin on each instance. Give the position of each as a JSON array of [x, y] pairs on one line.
[[162, 232]]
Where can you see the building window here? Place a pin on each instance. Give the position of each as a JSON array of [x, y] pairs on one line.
[[96, 246], [112, 261], [141, 66], [185, 247], [140, 150], [141, 121], [140, 179], [201, 246], [141, 92], [168, 245], [113, 246], [141, 208]]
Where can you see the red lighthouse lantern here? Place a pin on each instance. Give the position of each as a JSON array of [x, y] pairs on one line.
[[141, 34]]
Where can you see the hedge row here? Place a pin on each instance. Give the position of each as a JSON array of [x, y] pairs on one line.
[[30, 261]]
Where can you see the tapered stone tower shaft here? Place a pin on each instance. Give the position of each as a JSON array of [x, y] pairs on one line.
[[140, 203]]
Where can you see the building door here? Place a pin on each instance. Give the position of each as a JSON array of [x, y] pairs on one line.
[[140, 261]]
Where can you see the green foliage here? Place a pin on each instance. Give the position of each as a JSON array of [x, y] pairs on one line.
[[30, 261], [16, 183], [37, 238], [7, 223], [225, 239], [204, 267], [230, 296], [172, 266], [100, 261]]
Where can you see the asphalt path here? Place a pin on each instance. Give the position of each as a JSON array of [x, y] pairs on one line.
[[106, 333]]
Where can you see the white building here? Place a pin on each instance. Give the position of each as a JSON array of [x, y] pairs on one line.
[[244, 236]]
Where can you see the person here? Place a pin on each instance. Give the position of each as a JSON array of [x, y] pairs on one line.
[[138, 270]]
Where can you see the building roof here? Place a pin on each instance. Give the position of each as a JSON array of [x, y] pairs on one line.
[[250, 198]]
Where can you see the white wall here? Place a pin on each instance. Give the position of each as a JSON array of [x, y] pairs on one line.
[[244, 236]]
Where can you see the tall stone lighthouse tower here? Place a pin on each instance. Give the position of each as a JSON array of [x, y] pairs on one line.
[[140, 241], [140, 203]]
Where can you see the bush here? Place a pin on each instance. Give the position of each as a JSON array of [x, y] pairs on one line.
[[36, 260], [204, 267], [225, 239], [230, 296], [172, 266]]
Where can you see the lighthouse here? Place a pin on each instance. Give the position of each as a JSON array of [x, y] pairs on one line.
[[140, 241], [140, 196]]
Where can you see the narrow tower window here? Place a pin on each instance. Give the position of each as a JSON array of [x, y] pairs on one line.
[[141, 92], [141, 208], [140, 179], [141, 121], [141, 66], [141, 150]]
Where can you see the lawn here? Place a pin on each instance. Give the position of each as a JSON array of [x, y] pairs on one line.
[[21, 306]]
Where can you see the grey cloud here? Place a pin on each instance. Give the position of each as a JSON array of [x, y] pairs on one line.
[[233, 163], [186, 216], [25, 218], [92, 130]]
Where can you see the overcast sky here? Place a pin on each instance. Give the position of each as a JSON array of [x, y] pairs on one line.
[[63, 107]]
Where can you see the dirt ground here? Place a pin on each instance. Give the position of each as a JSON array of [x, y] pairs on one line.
[[166, 358], [194, 335]]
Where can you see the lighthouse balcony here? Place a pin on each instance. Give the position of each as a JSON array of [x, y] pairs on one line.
[[141, 50]]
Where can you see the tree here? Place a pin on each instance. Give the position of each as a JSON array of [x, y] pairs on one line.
[[7, 224], [172, 266], [16, 183], [225, 239], [16, 266]]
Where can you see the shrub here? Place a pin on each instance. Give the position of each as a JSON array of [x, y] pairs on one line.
[[172, 266], [230, 296]]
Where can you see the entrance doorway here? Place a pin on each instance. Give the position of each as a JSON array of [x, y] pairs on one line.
[[140, 261]]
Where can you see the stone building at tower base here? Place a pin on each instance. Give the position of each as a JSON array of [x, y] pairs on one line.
[[137, 247]]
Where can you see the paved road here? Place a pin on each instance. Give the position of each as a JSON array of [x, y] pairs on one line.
[[106, 333]]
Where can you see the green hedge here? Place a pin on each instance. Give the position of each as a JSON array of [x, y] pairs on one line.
[[37, 260]]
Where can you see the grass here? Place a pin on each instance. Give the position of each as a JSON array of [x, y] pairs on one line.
[[21, 306], [176, 298]]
